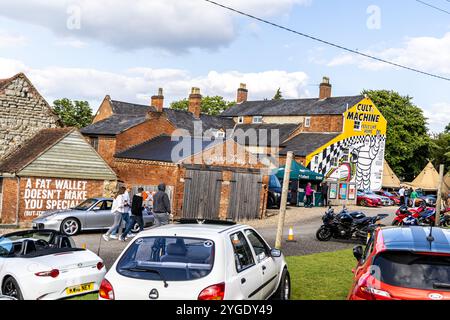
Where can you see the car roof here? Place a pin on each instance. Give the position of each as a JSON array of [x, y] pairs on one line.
[[191, 230], [415, 238]]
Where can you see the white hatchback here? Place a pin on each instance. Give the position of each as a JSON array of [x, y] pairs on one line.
[[198, 261]]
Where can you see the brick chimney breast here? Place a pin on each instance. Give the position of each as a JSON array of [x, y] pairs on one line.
[[195, 100], [242, 93], [325, 89], [158, 101]]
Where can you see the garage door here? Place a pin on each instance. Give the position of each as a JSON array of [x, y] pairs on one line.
[[245, 196], [202, 194]]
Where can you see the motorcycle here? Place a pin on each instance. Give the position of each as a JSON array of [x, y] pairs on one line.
[[345, 226], [422, 216]]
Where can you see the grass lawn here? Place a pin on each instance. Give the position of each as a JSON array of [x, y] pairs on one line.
[[322, 276], [90, 296]]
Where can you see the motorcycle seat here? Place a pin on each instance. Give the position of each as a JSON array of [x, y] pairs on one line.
[[362, 220]]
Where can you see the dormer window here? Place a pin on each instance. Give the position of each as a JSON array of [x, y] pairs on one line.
[[257, 119], [307, 122], [240, 120]]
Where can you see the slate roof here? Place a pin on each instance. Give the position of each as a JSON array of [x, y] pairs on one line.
[[262, 138], [160, 149], [185, 120], [293, 107], [130, 109], [113, 125], [306, 143], [33, 148]]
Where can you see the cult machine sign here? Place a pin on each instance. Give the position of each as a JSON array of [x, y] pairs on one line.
[[52, 194]]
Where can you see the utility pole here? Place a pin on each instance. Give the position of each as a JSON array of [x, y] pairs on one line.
[[439, 196], [284, 194]]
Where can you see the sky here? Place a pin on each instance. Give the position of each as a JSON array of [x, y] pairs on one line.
[[84, 50]]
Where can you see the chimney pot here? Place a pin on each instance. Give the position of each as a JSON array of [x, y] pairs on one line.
[[325, 89], [242, 93], [158, 101], [195, 100]]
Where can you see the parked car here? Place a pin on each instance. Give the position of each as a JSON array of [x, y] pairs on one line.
[[403, 264], [429, 199], [46, 265], [274, 192], [386, 201], [198, 261], [367, 200], [92, 214], [395, 199]]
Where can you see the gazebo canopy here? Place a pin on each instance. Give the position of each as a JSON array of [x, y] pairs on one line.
[[299, 172], [390, 179]]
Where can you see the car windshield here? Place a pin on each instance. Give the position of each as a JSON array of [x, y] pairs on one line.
[[168, 259], [85, 205], [415, 271], [388, 194]]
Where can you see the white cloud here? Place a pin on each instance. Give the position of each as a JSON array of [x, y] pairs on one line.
[[73, 43], [139, 84], [426, 53], [438, 116], [8, 39], [176, 25]]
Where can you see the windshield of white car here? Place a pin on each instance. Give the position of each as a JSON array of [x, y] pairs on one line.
[[85, 205], [167, 259]]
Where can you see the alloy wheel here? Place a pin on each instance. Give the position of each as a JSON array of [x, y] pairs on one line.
[[70, 227]]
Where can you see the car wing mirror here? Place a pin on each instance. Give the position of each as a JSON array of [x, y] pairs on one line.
[[358, 253], [275, 253]]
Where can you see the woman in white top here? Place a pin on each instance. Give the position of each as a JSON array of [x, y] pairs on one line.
[[117, 209]]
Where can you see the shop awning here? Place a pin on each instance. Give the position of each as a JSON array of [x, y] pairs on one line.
[[299, 172]]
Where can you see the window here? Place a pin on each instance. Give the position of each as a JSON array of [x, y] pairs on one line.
[[243, 256], [103, 205], [307, 122], [257, 119], [316, 160], [334, 162], [94, 143], [261, 249], [357, 126], [240, 120], [345, 155], [220, 134]]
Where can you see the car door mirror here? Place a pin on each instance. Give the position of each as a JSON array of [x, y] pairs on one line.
[[275, 253], [358, 252]]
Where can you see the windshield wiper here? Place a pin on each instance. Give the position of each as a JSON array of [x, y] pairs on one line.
[[141, 269], [441, 285]]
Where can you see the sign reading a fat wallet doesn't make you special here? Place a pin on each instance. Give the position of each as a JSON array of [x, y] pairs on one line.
[[41, 195]]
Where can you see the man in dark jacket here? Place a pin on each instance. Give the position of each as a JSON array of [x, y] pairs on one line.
[[161, 206], [136, 214], [325, 194]]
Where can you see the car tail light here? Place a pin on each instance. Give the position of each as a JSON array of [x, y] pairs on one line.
[[106, 290], [367, 292], [214, 292], [100, 265], [52, 273]]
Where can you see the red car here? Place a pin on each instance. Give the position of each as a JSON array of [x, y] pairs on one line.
[[368, 200], [408, 263], [391, 196]]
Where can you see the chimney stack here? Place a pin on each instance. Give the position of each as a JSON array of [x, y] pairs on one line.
[[242, 93], [195, 99], [325, 89], [158, 101]]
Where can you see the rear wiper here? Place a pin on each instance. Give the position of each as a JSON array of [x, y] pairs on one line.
[[140, 269], [440, 285]]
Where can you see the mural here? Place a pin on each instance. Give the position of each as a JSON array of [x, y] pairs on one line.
[[357, 155]]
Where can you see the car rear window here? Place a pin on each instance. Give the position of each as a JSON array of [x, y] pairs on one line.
[[415, 271], [168, 259]]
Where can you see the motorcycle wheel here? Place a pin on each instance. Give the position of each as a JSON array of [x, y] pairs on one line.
[[324, 234]]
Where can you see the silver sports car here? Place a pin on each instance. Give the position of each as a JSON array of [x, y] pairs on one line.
[[92, 214]]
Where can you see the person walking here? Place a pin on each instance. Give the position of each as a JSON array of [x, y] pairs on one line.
[[413, 196], [161, 206], [136, 215], [309, 195], [117, 208], [401, 193], [407, 194], [325, 193]]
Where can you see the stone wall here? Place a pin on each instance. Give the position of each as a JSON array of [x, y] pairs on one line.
[[23, 112]]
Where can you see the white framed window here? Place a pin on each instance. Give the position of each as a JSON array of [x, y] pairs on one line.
[[334, 162], [220, 134], [257, 119], [307, 122], [316, 160], [240, 119], [357, 126]]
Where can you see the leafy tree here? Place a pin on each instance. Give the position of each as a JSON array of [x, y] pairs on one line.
[[278, 95], [73, 113], [408, 145], [440, 149], [447, 128], [209, 105]]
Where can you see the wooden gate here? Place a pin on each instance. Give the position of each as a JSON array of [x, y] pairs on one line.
[[245, 196], [202, 194]]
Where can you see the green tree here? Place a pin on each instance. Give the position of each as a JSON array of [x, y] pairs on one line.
[[408, 145], [209, 105], [278, 95], [73, 113], [447, 128], [440, 149]]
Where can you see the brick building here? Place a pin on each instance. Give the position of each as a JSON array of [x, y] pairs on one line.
[[23, 112]]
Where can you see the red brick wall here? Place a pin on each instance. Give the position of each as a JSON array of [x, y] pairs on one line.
[[104, 111], [9, 201], [326, 123], [107, 149]]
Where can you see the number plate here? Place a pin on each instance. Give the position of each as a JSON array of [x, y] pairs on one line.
[[80, 289]]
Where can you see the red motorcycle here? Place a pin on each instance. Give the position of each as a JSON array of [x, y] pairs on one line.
[[423, 215]]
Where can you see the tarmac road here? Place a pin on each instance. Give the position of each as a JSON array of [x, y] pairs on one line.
[[304, 222]]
